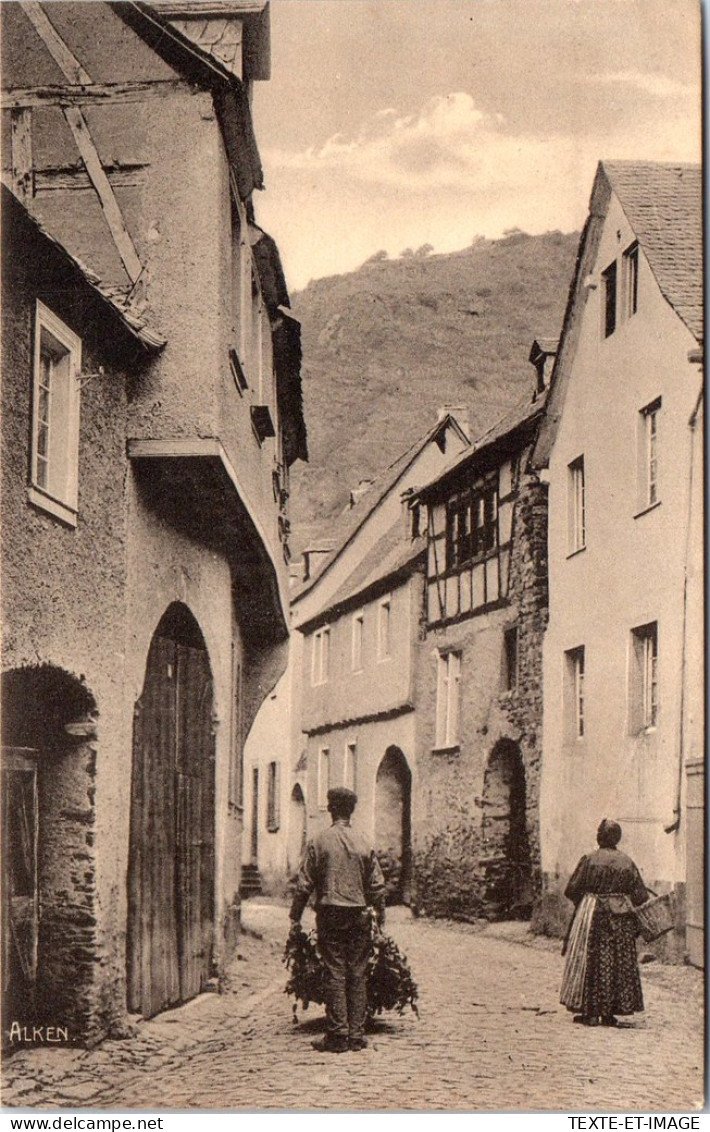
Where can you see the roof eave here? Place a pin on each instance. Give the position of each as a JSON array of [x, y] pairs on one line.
[[150, 339], [367, 592]]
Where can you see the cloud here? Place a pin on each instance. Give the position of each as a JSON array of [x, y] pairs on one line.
[[441, 145], [655, 85], [449, 171], [453, 145]]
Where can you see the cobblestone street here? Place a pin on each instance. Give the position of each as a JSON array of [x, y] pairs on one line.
[[491, 1036]]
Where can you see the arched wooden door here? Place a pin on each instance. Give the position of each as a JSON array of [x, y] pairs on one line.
[[393, 823], [296, 828], [505, 859], [171, 855]]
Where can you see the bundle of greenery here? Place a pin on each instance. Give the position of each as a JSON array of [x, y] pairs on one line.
[[390, 985]]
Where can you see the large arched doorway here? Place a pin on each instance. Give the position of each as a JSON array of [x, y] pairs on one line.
[[393, 823], [296, 828], [505, 857], [171, 856]]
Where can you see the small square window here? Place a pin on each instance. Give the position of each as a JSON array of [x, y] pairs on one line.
[[609, 299], [55, 417]]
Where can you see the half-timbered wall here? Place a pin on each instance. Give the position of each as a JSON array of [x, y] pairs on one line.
[[468, 562]]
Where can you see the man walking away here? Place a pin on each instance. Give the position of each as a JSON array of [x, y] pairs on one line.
[[343, 871]]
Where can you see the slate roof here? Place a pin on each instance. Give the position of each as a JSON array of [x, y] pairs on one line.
[[392, 556], [219, 38], [346, 525], [211, 27], [663, 204]]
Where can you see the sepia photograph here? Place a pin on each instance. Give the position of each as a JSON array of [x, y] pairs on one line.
[[352, 557]]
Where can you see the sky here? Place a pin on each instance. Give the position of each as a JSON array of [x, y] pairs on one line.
[[390, 124]]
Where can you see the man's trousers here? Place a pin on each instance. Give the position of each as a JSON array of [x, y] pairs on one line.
[[344, 942]]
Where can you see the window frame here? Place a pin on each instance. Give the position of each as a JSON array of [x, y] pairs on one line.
[[384, 628], [320, 656], [576, 505], [448, 700], [630, 279], [472, 524], [610, 287], [357, 636], [323, 773], [511, 658], [273, 799], [61, 502], [649, 495], [643, 679], [350, 760], [575, 693]]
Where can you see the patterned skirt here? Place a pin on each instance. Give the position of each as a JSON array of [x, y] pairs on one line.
[[601, 974]]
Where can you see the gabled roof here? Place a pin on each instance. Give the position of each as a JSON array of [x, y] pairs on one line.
[[149, 338], [663, 204], [346, 525], [392, 558], [510, 431]]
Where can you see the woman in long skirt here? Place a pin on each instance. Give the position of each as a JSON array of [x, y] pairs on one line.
[[601, 977]]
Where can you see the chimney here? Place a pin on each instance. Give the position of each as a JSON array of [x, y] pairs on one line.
[[460, 415], [313, 558], [542, 355], [357, 492]]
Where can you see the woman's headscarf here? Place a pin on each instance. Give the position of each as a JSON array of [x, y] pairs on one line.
[[608, 834]]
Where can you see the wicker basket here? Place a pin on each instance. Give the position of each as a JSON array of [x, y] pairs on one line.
[[655, 917]]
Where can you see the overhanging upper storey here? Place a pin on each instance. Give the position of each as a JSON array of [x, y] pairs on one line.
[[193, 485]]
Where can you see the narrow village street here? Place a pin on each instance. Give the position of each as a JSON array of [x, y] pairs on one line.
[[491, 1036]]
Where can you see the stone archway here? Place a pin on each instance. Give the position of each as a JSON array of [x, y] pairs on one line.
[[393, 823], [48, 825], [505, 851], [171, 850], [296, 829]]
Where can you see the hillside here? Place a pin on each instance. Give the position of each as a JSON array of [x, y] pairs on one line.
[[385, 346]]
